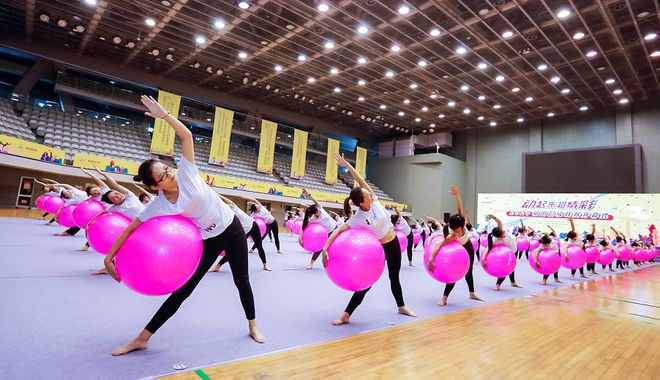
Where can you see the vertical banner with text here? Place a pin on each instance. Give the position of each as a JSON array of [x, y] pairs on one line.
[[267, 146], [361, 162], [331, 163], [219, 153], [162, 139], [299, 154]]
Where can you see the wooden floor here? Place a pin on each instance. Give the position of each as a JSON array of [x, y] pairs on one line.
[[21, 213], [607, 328]]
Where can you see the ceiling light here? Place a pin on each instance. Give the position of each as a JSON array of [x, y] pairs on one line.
[[515, 89], [655, 53], [62, 23], [337, 90], [451, 103], [551, 114], [432, 125], [389, 74], [650, 36], [481, 97], [90, 2], [422, 63], [617, 92], [200, 40], [563, 13], [311, 80], [323, 7], [361, 99], [542, 67], [404, 10], [334, 71], [278, 68], [466, 111], [401, 113], [155, 52], [431, 130], [424, 109], [623, 101], [219, 24], [169, 57], [441, 116], [578, 36], [492, 123], [302, 58], [361, 60], [130, 44], [555, 79], [520, 120], [507, 34], [434, 32], [242, 55], [243, 5], [480, 118], [413, 85], [482, 65], [584, 108], [361, 82], [362, 29], [116, 40], [395, 48], [329, 45], [434, 96], [497, 106], [150, 22], [406, 101], [529, 99], [196, 65], [382, 106], [499, 78], [591, 53], [465, 87], [417, 119], [565, 90], [609, 80], [461, 50]]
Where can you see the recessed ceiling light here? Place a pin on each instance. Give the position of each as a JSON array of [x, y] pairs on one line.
[[334, 71], [424, 109], [329, 45], [116, 40], [617, 91], [578, 36], [431, 130], [492, 123], [404, 10], [361, 60], [337, 90], [413, 85], [542, 67], [323, 7], [481, 97], [302, 58], [219, 24], [497, 106], [401, 113], [623, 101], [609, 80], [362, 29], [382, 106], [591, 53], [406, 101], [361, 99], [434, 32], [650, 36], [555, 79], [278, 68], [551, 114], [395, 48], [507, 34], [461, 50], [441, 116], [520, 120], [243, 5], [417, 119], [466, 111], [150, 22], [62, 23], [499, 78], [480, 118], [563, 13], [565, 90], [361, 82], [482, 65], [584, 108], [90, 2], [389, 74], [515, 89], [200, 40], [529, 99], [655, 53], [465, 87], [642, 14], [422, 63], [242, 55], [434, 96], [432, 125], [311, 80], [451, 103]]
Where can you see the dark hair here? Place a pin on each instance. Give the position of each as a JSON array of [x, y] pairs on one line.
[[603, 243], [634, 244], [591, 237], [546, 240], [311, 210], [434, 225], [142, 197], [105, 198], [62, 194], [496, 232], [144, 173], [88, 189], [571, 235], [553, 234], [394, 218], [456, 221], [445, 230], [618, 239], [469, 226], [356, 196], [253, 208]]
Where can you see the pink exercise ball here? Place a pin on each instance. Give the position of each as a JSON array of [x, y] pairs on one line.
[[296, 226], [417, 237], [639, 255], [592, 254], [606, 257], [483, 240], [533, 244], [160, 256], [403, 240], [65, 217], [40, 202], [314, 237], [522, 243], [288, 224], [431, 240], [451, 263], [355, 260], [624, 253], [549, 261], [576, 257], [261, 223], [105, 229], [86, 211], [475, 243], [500, 261], [53, 204]]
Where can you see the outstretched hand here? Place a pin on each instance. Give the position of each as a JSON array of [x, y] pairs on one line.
[[340, 160], [453, 190], [155, 110]]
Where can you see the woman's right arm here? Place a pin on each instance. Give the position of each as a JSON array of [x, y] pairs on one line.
[[109, 264], [158, 111], [226, 200], [331, 239]]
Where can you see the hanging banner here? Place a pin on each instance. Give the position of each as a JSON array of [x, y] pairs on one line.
[[82, 160], [299, 154], [162, 139], [29, 149], [361, 162], [267, 146], [331, 162], [219, 154]]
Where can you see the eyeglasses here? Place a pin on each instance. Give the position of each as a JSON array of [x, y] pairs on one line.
[[166, 172]]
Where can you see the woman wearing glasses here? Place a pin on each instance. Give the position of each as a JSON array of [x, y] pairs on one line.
[[186, 193]]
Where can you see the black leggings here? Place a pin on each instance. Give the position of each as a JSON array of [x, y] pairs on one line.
[[556, 275], [393, 259], [575, 270], [591, 267], [468, 276], [423, 239], [409, 247], [72, 231], [317, 253], [232, 240], [273, 228], [256, 238], [619, 264], [606, 265], [512, 277], [45, 214]]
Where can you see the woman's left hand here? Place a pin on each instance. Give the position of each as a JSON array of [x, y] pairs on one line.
[[155, 109]]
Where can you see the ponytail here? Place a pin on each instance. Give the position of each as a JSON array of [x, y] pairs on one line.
[[309, 211], [347, 207], [445, 230], [490, 241]]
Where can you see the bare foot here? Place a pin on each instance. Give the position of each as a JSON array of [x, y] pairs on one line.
[[257, 335], [475, 297], [583, 276], [497, 287], [410, 264], [559, 281], [267, 268], [216, 268], [279, 252], [83, 249], [49, 223], [345, 318], [514, 285], [61, 234], [405, 311], [134, 345], [251, 250], [572, 277], [99, 271], [443, 301], [544, 282]]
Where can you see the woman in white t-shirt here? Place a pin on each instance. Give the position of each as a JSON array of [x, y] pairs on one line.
[[370, 215], [185, 193], [546, 241], [49, 190], [336, 217], [73, 196], [257, 210], [316, 213], [400, 223], [499, 236], [251, 229]]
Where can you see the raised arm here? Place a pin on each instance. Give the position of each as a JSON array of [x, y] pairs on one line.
[[64, 185], [398, 214], [252, 200], [49, 180], [593, 229], [112, 183], [431, 219], [572, 224], [498, 221], [155, 110], [310, 196], [615, 231], [94, 178], [551, 229], [468, 220], [143, 191], [356, 176], [226, 200], [453, 190]]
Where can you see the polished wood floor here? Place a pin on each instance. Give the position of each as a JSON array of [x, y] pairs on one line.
[[607, 328], [21, 213]]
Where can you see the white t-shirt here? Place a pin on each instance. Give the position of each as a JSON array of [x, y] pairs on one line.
[[426, 229], [326, 220], [474, 234], [339, 221], [507, 240], [437, 232], [246, 221], [403, 226], [196, 201], [376, 219], [53, 193], [132, 207], [77, 196], [263, 213]]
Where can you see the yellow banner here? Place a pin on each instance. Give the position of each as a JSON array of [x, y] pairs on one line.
[[267, 146], [299, 154], [82, 160], [219, 154], [361, 162], [331, 163], [29, 149], [162, 139]]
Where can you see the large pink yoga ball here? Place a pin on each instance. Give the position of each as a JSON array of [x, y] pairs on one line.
[[606, 257], [86, 211], [160, 256], [576, 257], [105, 229], [355, 259], [549, 261], [296, 226], [417, 237], [403, 240], [533, 244], [592, 254], [53, 204], [624, 253], [483, 240], [261, 223], [40, 202], [65, 217], [314, 237], [451, 263], [475, 243], [500, 261], [522, 243]]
